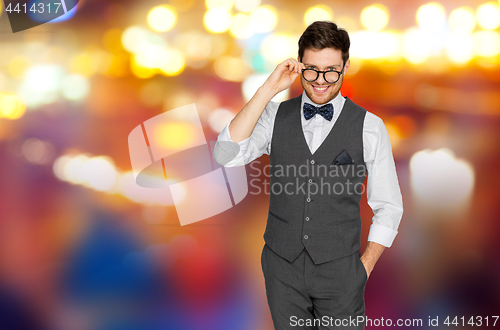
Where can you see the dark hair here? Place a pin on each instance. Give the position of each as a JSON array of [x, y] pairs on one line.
[[323, 34]]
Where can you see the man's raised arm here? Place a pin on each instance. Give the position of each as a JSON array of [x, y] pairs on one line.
[[233, 142]]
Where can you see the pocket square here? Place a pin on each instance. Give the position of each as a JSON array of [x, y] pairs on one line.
[[343, 159]]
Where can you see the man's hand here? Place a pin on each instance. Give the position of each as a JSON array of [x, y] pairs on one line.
[[284, 75], [370, 256]]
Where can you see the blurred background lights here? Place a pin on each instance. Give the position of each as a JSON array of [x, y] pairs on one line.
[[37, 151], [318, 13], [263, 18], [241, 27], [232, 68], [100, 173], [431, 16], [278, 47], [488, 16], [162, 18], [176, 136], [217, 20], [462, 20], [73, 170], [11, 106], [151, 56], [415, 46], [375, 17], [219, 118], [134, 38], [439, 179], [18, 65], [246, 5], [254, 81], [174, 62], [222, 4], [486, 43], [41, 84], [368, 44], [75, 87], [196, 46], [459, 48]]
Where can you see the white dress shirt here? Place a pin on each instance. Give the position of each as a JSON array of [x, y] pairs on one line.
[[382, 188]]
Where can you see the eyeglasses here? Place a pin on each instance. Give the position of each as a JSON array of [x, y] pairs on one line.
[[330, 76]]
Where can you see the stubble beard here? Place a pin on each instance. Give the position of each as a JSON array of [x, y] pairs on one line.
[[313, 97]]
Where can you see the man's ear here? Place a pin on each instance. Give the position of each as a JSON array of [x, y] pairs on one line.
[[347, 65]]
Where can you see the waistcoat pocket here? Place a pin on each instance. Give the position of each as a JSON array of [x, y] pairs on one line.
[[278, 217]]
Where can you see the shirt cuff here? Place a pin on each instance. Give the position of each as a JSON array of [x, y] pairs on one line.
[[227, 152], [382, 234]]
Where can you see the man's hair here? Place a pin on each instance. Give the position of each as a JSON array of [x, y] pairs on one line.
[[323, 34]]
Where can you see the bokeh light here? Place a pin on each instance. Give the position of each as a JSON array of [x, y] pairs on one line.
[[162, 18], [254, 81], [488, 16], [431, 16], [278, 47], [263, 18], [486, 43], [375, 17], [246, 5], [175, 136], [219, 118], [241, 27], [11, 106], [460, 48], [221, 4], [217, 20], [415, 46], [441, 180], [174, 63], [318, 13], [75, 87], [462, 20], [370, 45], [231, 68]]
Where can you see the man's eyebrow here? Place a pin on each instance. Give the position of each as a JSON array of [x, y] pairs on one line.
[[308, 64]]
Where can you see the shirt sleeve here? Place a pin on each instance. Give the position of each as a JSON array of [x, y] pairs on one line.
[[383, 192], [229, 153]]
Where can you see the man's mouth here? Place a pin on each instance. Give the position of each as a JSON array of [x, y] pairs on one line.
[[320, 89]]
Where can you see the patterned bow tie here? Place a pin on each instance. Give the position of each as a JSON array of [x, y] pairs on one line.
[[325, 110]]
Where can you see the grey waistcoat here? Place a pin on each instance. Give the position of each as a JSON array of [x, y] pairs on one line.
[[315, 204]]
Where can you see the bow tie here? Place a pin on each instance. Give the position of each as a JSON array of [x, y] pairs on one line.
[[325, 110]]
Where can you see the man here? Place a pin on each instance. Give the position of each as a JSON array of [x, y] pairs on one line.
[[321, 146]]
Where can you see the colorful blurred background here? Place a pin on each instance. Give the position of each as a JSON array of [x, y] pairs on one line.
[[83, 247]]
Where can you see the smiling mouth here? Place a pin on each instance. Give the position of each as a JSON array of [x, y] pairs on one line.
[[320, 89]]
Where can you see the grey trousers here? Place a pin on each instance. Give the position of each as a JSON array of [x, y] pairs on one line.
[[302, 295]]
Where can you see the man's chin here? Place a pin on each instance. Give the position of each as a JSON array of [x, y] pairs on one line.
[[319, 98]]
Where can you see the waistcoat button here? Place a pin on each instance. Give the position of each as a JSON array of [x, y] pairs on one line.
[[308, 200], [312, 161], [307, 219], [306, 237]]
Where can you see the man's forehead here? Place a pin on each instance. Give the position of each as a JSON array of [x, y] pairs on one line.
[[325, 57], [315, 64]]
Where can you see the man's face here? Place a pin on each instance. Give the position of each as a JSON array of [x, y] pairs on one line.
[[319, 91]]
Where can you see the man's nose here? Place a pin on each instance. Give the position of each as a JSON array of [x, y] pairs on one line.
[[320, 79]]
